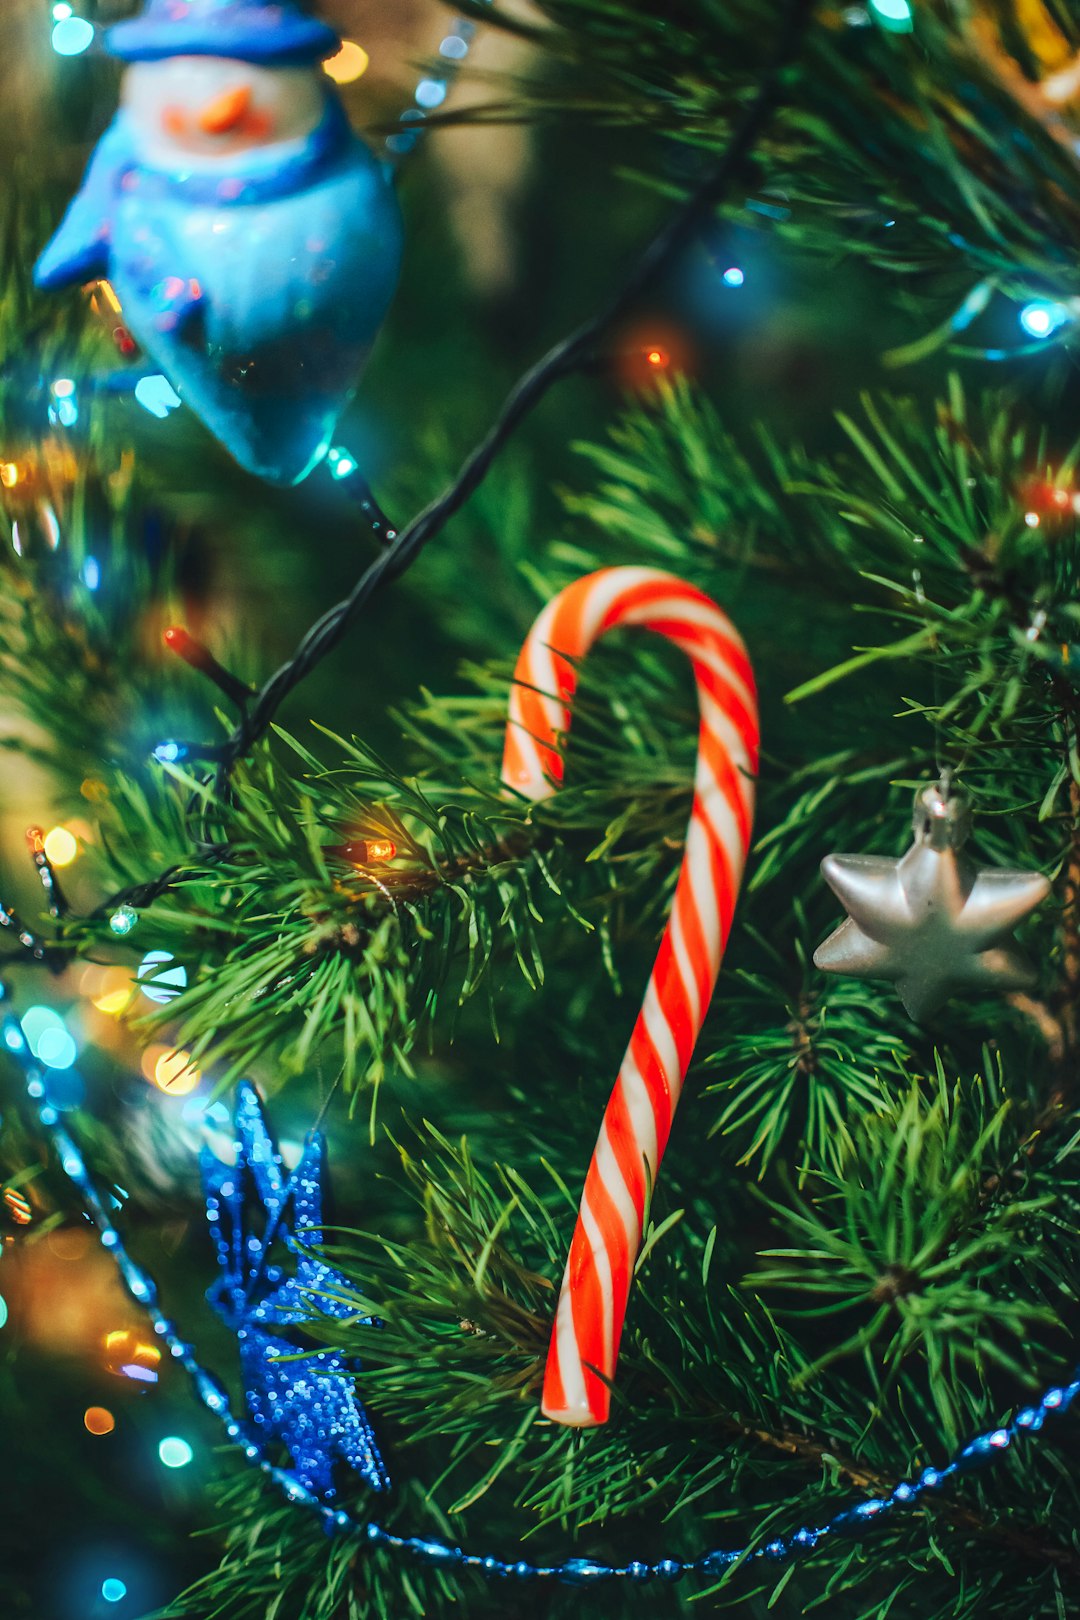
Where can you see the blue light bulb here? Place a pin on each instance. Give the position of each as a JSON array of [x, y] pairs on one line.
[[1042, 317], [170, 753]]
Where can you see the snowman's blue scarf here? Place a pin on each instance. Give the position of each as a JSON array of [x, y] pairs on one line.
[[259, 178]]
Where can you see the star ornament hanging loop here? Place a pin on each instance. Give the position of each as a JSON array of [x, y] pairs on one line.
[[932, 923]]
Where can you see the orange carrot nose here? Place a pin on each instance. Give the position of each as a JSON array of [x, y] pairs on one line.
[[226, 111]]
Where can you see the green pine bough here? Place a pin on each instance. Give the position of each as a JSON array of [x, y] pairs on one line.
[[864, 1247]]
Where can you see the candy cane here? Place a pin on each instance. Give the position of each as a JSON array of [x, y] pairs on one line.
[[637, 1121]]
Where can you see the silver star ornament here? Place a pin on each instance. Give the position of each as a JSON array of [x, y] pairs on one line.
[[932, 923]]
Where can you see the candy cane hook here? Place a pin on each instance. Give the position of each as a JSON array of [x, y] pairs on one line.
[[637, 1121]]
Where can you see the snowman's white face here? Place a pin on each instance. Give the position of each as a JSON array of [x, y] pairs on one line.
[[207, 110]]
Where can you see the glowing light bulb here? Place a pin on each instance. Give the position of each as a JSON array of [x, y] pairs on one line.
[[72, 35], [1042, 318], [123, 920], [349, 64], [656, 357], [175, 1452], [341, 464], [366, 851], [61, 846], [157, 395], [381, 849], [897, 16]]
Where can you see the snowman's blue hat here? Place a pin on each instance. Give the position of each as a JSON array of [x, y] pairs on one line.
[[272, 31]]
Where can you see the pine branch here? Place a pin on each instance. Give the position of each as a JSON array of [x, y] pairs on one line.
[[561, 361]]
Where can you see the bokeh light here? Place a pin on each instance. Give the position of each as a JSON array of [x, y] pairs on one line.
[[99, 1420], [128, 1356], [895, 15], [72, 35], [61, 846], [431, 93], [157, 980], [48, 1038], [733, 276], [172, 1071], [341, 463], [349, 63], [175, 1452], [56, 1049], [18, 1206], [1042, 317], [3, 1311], [109, 988], [65, 1089], [113, 1590], [157, 395]]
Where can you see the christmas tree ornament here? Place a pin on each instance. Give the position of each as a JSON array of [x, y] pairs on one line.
[[637, 1121], [252, 240], [932, 923], [308, 1402]]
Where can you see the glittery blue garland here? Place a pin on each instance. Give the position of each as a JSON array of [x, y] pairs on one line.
[[851, 1521]]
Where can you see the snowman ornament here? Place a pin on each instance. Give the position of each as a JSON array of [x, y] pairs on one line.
[[253, 240]]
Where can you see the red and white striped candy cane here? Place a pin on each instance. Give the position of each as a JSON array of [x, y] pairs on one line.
[[637, 1121]]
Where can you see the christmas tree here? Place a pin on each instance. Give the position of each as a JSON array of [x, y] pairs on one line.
[[730, 349]]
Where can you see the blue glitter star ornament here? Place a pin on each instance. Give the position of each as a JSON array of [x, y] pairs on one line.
[[305, 1398]]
